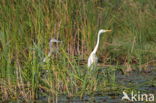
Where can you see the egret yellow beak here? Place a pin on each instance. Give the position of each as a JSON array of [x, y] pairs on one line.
[[108, 30]]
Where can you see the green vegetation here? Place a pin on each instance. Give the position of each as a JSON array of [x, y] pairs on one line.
[[26, 27]]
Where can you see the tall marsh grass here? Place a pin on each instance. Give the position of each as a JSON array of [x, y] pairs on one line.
[[26, 26]]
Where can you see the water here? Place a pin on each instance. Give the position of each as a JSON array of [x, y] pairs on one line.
[[142, 81]]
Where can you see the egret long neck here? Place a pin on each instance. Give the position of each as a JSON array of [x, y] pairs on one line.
[[97, 44]]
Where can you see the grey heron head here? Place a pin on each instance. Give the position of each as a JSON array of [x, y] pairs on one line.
[[54, 41]]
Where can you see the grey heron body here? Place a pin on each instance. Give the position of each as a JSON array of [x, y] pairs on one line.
[[51, 48]]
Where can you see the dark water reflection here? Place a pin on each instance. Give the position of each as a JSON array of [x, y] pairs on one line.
[[138, 80]]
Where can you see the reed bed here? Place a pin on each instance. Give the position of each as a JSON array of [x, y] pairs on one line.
[[26, 26]]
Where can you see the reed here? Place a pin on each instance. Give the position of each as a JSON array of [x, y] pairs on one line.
[[26, 27]]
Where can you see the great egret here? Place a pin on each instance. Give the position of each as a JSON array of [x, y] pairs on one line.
[[92, 60], [51, 48]]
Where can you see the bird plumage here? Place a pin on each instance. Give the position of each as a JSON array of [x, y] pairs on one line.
[[51, 48], [92, 60]]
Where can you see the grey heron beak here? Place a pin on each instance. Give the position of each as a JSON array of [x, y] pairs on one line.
[[108, 30]]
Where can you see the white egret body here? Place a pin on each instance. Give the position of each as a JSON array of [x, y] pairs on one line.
[[92, 60]]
